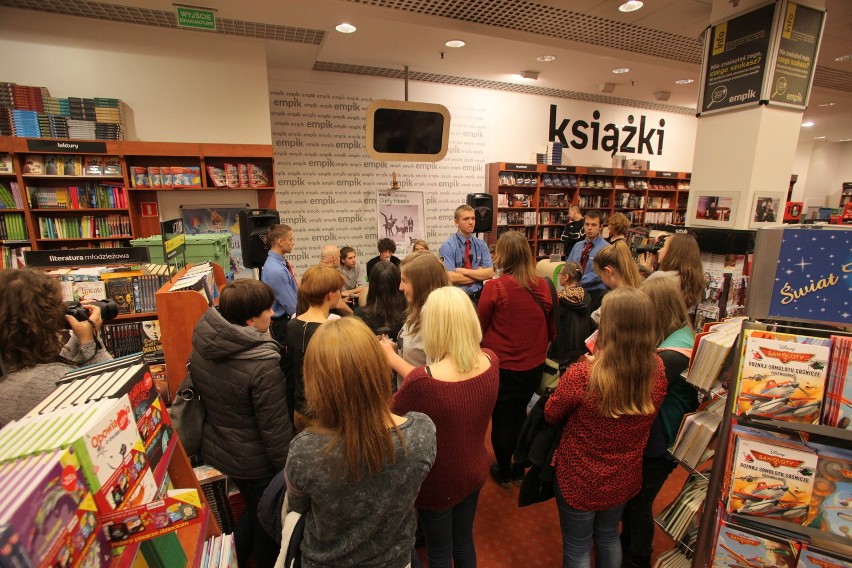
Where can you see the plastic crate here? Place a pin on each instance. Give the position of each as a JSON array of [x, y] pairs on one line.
[[215, 247]]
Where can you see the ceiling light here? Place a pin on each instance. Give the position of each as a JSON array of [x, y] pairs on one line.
[[845, 140], [807, 124], [455, 43], [345, 28], [828, 104], [546, 58], [684, 81], [819, 137], [529, 75], [621, 70], [843, 58], [630, 6]]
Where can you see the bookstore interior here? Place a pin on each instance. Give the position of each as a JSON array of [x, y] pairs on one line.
[[159, 228]]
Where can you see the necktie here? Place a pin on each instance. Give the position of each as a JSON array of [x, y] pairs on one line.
[[467, 254], [584, 258], [293, 274]]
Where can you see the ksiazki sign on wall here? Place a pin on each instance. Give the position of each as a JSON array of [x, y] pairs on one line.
[[782, 37], [639, 136]]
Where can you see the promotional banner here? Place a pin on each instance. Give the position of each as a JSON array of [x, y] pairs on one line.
[[793, 72], [401, 218], [735, 60], [813, 280]]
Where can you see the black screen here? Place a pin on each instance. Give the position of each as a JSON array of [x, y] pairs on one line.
[[397, 131]]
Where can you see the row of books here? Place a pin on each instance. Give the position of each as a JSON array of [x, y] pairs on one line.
[[554, 200], [681, 515], [547, 249], [693, 444], [593, 201], [87, 226], [240, 175], [164, 176], [71, 165], [526, 218], [130, 337], [200, 279], [219, 552], [549, 232], [10, 196], [88, 196], [553, 218], [133, 291], [12, 257], [629, 200], [13, 227]]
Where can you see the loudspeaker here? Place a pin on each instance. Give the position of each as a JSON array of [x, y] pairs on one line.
[[483, 207], [254, 224]]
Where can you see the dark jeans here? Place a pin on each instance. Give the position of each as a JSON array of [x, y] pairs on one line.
[[637, 522], [510, 412], [449, 534], [249, 535], [580, 528]]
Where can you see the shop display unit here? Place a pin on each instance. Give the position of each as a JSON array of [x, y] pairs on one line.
[[92, 194], [534, 198]]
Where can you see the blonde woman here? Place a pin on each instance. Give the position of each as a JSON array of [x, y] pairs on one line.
[[618, 225], [419, 245], [457, 390], [616, 268], [608, 406], [516, 314], [355, 471]]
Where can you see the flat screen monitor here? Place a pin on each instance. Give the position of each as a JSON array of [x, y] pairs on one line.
[[403, 131]]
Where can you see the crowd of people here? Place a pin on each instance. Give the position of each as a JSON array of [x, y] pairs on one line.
[[374, 391]]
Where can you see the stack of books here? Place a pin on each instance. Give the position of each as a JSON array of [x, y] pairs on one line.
[[199, 278], [837, 410], [219, 552], [697, 431], [710, 351], [554, 153], [682, 514]]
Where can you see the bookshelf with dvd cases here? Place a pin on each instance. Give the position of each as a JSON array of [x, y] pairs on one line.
[[534, 198]]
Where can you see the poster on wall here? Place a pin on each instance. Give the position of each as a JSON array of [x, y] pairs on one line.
[[401, 218], [765, 209], [219, 219], [716, 209], [735, 62], [795, 60]]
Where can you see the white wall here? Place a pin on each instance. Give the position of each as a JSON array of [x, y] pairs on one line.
[[830, 166]]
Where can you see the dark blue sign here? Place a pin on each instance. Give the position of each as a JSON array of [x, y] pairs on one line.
[[814, 276]]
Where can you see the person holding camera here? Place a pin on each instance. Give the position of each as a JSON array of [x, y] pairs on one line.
[[33, 355]]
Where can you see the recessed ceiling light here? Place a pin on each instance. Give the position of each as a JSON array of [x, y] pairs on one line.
[[455, 43], [546, 58], [529, 75], [843, 58], [630, 6], [845, 140], [819, 137], [345, 28], [684, 81], [621, 70], [807, 124], [828, 104]]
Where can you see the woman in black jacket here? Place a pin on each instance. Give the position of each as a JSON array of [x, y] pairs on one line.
[[574, 323], [236, 370]]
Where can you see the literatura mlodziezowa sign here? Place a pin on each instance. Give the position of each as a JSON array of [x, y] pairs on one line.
[[735, 60], [812, 279], [795, 60]]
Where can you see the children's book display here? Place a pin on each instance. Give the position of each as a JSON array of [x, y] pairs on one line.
[[86, 476]]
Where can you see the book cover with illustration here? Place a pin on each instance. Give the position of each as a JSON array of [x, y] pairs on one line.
[[89, 290], [810, 557], [771, 478], [782, 376], [93, 166], [739, 547], [838, 398], [34, 164], [72, 165], [831, 500], [120, 289]]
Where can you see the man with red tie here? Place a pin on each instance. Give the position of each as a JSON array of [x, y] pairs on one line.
[[278, 273], [584, 253], [466, 257]]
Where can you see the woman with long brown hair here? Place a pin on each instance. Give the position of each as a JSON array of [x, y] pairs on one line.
[[680, 259], [356, 469], [516, 314], [384, 310], [608, 406]]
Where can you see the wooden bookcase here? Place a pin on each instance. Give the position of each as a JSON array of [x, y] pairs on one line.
[[534, 198], [178, 313], [128, 154]]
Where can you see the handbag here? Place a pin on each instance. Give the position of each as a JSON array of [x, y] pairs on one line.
[[550, 368], [188, 414], [536, 445]]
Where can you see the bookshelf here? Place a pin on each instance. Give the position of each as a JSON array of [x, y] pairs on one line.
[[534, 198], [77, 207], [179, 311]]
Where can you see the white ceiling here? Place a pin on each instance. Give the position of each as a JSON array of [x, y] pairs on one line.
[[659, 43]]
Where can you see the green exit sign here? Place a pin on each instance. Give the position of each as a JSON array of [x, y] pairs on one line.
[[196, 18]]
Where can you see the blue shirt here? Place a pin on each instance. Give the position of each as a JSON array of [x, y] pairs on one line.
[[452, 255], [276, 274], [590, 281]]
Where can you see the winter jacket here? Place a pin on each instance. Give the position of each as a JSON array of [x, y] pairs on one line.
[[575, 325], [236, 369]]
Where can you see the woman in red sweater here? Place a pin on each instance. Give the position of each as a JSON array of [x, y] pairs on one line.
[[608, 407], [457, 390], [516, 313]]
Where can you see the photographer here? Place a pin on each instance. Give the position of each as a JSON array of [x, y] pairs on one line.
[[33, 356]]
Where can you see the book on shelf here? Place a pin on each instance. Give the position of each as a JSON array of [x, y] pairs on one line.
[[697, 431], [166, 174], [112, 166], [72, 165], [673, 558], [139, 177], [771, 477], [813, 557], [89, 290], [34, 164], [93, 165], [710, 351], [10, 196], [746, 547], [6, 163], [837, 410], [830, 508], [178, 509], [120, 289], [679, 516]]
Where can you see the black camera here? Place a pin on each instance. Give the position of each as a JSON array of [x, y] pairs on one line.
[[652, 248], [109, 309]]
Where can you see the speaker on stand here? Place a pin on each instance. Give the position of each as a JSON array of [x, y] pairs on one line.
[[254, 225], [483, 208]]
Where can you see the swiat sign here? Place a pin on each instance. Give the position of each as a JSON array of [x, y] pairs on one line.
[[627, 139]]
